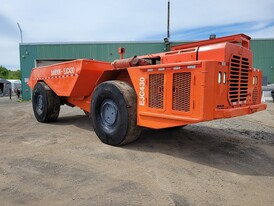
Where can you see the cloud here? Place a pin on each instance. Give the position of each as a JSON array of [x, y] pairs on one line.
[[8, 29], [9, 53], [264, 33], [123, 20], [222, 30], [254, 28]]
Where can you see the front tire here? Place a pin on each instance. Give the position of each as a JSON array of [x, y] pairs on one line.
[[114, 113], [45, 103]]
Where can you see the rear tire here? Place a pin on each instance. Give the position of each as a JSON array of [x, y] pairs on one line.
[[45, 103], [114, 113]]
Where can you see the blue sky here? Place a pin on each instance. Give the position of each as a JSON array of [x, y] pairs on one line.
[[203, 32], [127, 20]]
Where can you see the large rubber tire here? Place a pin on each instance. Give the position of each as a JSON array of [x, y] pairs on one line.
[[45, 103], [114, 113]]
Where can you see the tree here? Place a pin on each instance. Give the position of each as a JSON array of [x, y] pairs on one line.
[[8, 74], [14, 74], [3, 72]]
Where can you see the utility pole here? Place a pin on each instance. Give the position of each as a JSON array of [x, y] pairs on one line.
[[168, 18], [21, 33], [166, 39]]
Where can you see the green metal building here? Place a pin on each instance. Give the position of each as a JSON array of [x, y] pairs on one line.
[[263, 57], [41, 54]]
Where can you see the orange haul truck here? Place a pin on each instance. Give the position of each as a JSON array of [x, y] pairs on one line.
[[194, 82]]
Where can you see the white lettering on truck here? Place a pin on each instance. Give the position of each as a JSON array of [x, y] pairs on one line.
[[64, 71], [56, 72], [142, 85], [68, 71]]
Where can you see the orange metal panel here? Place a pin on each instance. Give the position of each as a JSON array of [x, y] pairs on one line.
[[183, 55], [75, 80], [81, 102], [70, 79], [149, 114], [203, 100], [242, 39]]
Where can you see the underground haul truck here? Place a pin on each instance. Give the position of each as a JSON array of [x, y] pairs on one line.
[[195, 82]]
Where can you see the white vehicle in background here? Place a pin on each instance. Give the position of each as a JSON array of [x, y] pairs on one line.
[[15, 85]]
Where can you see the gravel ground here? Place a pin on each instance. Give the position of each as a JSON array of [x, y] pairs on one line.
[[224, 162]]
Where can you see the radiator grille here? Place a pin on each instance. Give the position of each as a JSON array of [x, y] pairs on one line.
[[156, 91], [238, 81], [255, 95], [181, 91]]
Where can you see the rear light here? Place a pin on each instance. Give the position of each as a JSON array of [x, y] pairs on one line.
[[224, 77]]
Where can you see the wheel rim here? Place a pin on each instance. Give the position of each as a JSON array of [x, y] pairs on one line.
[[109, 113], [39, 103]]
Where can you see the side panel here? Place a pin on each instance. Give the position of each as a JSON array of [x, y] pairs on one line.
[[184, 55], [170, 95], [173, 94], [61, 78], [71, 79]]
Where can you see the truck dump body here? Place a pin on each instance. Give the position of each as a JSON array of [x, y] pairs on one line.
[[197, 82], [73, 80]]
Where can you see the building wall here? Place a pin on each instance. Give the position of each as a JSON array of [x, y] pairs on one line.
[[263, 55]]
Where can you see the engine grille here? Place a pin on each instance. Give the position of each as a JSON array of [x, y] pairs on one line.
[[156, 91], [181, 91], [238, 79], [255, 95]]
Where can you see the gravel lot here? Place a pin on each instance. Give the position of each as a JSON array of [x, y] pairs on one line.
[[224, 162]]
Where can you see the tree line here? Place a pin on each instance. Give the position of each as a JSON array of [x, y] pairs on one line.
[[9, 74]]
